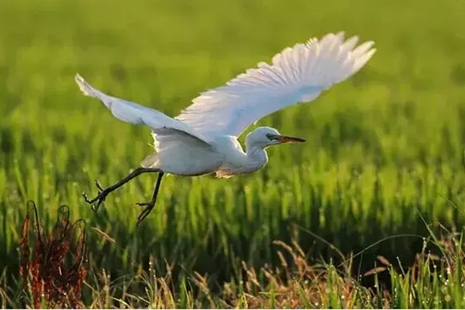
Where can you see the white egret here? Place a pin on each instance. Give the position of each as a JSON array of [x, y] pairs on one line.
[[203, 138]]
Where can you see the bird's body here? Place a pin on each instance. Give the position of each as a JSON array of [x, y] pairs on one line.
[[203, 138], [224, 156]]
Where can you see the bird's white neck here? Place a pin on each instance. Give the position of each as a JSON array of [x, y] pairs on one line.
[[237, 161], [256, 156]]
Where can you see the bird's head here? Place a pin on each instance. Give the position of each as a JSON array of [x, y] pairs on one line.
[[263, 137]]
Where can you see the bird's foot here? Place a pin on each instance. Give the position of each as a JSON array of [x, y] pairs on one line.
[[148, 208], [100, 198]]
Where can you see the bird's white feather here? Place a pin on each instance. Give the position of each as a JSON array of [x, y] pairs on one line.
[[297, 74], [182, 154], [134, 113]]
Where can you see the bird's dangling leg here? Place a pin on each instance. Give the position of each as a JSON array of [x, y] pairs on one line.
[[103, 192], [151, 204]]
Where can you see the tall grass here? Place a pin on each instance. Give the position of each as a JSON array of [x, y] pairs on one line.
[[380, 146], [51, 280]]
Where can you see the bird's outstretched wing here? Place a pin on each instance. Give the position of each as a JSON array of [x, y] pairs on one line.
[[297, 74], [134, 113]]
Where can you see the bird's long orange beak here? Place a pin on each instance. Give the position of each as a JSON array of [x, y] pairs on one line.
[[286, 139]]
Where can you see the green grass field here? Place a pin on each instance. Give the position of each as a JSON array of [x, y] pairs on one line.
[[383, 153]]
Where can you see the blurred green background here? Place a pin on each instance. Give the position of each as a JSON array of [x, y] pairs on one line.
[[381, 147]]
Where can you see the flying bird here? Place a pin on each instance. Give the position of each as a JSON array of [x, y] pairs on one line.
[[203, 138]]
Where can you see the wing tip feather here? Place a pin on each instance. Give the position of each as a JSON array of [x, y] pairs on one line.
[[85, 88]]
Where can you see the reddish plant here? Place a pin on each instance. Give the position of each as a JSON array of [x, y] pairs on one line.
[[55, 270]]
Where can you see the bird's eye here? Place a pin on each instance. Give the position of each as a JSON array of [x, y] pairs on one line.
[[269, 136]]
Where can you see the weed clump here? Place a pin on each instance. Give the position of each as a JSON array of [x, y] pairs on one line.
[[53, 266]]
